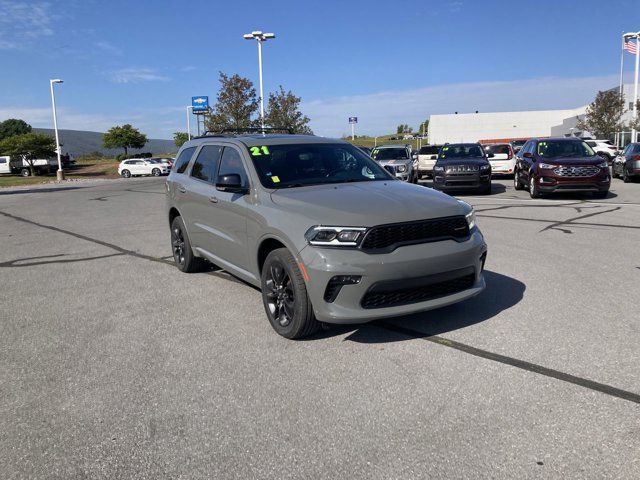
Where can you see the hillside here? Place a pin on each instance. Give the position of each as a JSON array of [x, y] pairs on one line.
[[79, 142]]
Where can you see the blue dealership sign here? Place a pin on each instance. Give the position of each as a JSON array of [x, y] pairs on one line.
[[353, 119], [200, 104]]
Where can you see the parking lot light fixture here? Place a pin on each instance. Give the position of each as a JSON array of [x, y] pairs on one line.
[[60, 172], [260, 37]]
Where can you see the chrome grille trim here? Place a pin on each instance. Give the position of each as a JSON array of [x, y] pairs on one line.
[[578, 171]]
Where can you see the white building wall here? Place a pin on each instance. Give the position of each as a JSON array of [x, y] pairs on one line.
[[472, 127]]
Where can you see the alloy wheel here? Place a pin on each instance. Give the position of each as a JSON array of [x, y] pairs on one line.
[[177, 242], [280, 294]]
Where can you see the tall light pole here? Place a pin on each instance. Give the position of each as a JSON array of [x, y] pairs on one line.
[[60, 172], [189, 107], [260, 37]]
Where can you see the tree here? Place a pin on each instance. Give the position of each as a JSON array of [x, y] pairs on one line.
[[283, 111], [124, 136], [403, 128], [423, 127], [603, 115], [179, 138], [235, 104], [635, 124], [12, 127], [29, 146]]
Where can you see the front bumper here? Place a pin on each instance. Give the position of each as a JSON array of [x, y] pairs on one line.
[[404, 264], [469, 181], [556, 184]]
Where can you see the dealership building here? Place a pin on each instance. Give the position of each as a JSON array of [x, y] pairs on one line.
[[506, 126]]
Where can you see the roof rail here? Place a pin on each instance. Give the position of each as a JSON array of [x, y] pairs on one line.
[[240, 131]]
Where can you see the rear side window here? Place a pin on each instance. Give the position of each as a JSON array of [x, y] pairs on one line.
[[231, 162], [206, 164], [3, 160], [496, 149], [430, 150], [183, 159]]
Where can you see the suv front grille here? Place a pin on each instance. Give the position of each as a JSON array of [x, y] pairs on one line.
[[462, 168], [586, 171], [391, 169], [385, 238], [383, 297]]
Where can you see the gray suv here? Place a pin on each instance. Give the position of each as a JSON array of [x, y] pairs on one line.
[[397, 160], [325, 232]]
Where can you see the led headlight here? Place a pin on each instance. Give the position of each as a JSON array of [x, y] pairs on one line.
[[548, 166], [485, 167], [335, 236], [401, 168], [470, 216], [438, 169]]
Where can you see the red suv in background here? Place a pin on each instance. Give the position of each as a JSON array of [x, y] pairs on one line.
[[548, 165]]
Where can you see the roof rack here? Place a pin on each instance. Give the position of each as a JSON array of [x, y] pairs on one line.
[[240, 131]]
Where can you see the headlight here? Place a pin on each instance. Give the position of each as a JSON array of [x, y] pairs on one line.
[[401, 168], [470, 216], [604, 164], [548, 166], [471, 219], [335, 236], [438, 169], [485, 167]]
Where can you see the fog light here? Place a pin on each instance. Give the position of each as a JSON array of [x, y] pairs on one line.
[[336, 283]]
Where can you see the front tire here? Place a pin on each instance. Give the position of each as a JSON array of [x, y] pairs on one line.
[[155, 172], [517, 184], [183, 255], [284, 295], [625, 175], [533, 188], [126, 173], [25, 172]]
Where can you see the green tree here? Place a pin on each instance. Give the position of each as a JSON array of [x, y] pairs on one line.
[[403, 128], [12, 127], [179, 138], [29, 146], [124, 136], [283, 111], [603, 115], [235, 104]]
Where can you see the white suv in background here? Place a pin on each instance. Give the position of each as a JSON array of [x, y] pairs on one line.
[[503, 161], [427, 156], [141, 166], [605, 148]]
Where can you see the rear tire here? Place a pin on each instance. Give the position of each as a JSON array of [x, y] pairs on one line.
[[285, 298], [125, 173], [183, 255]]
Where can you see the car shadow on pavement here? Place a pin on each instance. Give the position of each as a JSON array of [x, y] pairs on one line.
[[18, 190], [496, 188], [502, 293]]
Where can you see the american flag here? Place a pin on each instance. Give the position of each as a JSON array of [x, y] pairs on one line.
[[631, 46]]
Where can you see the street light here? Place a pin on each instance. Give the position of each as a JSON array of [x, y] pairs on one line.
[[189, 121], [260, 37], [59, 173]]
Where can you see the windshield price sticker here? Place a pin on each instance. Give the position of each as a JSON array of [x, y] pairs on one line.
[[258, 151]]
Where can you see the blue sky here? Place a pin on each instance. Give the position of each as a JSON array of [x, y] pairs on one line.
[[385, 62]]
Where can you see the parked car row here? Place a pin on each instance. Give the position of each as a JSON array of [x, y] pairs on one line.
[[627, 164]]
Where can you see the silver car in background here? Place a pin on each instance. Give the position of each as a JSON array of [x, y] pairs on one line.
[[326, 233], [397, 159]]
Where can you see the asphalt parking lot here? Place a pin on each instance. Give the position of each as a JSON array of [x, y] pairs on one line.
[[113, 364]]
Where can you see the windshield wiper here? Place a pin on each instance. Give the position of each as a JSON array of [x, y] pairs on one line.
[[293, 185]]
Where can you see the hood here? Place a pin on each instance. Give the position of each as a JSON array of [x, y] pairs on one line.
[[398, 161], [365, 203]]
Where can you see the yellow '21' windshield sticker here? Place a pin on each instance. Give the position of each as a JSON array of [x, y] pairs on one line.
[[257, 151]]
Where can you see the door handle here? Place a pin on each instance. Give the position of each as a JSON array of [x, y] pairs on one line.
[[213, 199]]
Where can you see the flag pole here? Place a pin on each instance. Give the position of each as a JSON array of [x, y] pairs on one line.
[[634, 133], [618, 135]]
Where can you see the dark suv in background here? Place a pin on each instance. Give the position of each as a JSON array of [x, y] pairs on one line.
[[548, 165], [462, 166], [627, 164]]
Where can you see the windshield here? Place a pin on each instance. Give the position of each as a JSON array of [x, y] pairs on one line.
[[518, 143], [430, 150], [461, 151], [497, 149], [559, 149], [299, 165], [389, 154]]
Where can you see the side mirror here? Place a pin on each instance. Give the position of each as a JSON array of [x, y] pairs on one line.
[[527, 155], [231, 183]]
